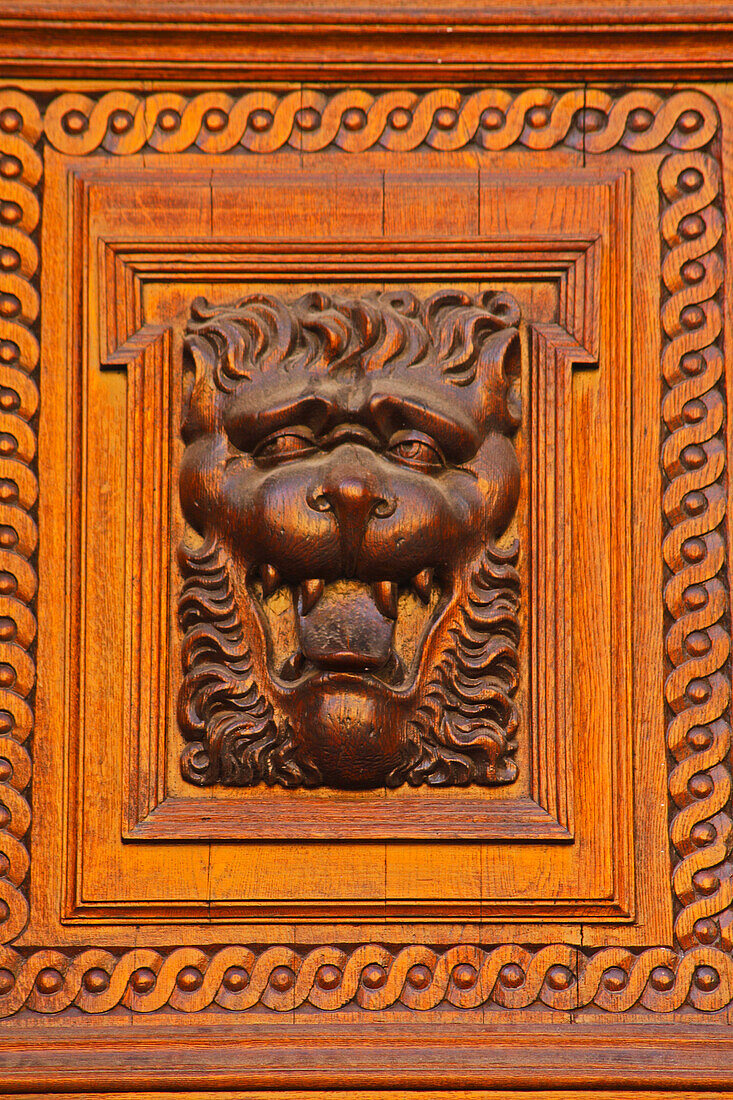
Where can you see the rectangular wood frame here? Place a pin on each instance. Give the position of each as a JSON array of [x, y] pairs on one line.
[[375, 1014]]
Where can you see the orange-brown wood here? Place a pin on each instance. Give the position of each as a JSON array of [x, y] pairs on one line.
[[177, 912]]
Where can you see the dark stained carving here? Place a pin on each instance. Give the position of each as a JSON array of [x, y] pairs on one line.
[[349, 619]]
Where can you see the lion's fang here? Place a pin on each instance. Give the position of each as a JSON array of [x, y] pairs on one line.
[[422, 582], [310, 593], [270, 580], [385, 597]]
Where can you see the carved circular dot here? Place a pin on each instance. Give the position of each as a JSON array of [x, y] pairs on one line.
[[694, 411], [445, 118], [640, 120], [6, 721], [615, 979], [464, 976], [48, 981], [419, 976], [7, 675], [8, 586], [707, 882], [694, 503], [538, 117], [373, 976], [689, 122], [693, 550], [698, 643], [74, 122], [4, 816], [661, 979], [699, 738], [215, 120], [400, 119], [9, 351], [10, 120], [8, 537], [8, 490], [169, 120], [328, 977], [282, 979], [692, 226], [690, 179], [307, 118], [235, 979], [10, 213], [10, 167], [4, 868], [692, 317], [492, 119], [591, 120], [700, 786], [8, 443], [706, 930], [693, 271], [692, 363], [354, 119], [9, 259], [9, 399], [7, 629], [699, 691], [7, 981], [559, 977], [706, 979], [9, 305], [6, 769], [511, 976], [189, 979], [120, 122], [96, 980], [693, 457], [261, 121], [143, 979]]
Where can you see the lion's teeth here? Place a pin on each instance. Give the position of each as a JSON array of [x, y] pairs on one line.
[[293, 667], [310, 593], [270, 579], [422, 582], [385, 597]]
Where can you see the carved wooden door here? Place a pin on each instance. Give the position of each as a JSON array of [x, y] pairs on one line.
[[364, 603]]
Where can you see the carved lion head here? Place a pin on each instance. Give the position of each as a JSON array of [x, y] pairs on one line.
[[348, 617]]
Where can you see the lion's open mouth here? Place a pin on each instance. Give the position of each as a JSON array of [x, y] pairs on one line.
[[346, 625]]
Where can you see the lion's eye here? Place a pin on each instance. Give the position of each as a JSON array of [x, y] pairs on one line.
[[283, 446], [416, 450]]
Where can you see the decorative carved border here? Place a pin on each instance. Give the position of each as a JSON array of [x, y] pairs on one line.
[[661, 979]]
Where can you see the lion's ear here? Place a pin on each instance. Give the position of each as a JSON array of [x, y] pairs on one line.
[[496, 386], [200, 411]]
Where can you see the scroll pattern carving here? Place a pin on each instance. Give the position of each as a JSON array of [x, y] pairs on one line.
[[20, 173], [355, 120], [698, 642], [660, 979], [371, 976]]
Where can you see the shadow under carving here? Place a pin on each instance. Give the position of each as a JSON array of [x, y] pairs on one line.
[[349, 617]]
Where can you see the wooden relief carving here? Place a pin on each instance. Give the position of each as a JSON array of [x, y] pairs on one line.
[[350, 617], [328, 456]]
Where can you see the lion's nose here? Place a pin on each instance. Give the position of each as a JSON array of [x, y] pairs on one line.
[[354, 497]]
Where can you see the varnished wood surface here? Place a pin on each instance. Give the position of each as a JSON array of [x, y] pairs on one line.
[[157, 966], [421, 42]]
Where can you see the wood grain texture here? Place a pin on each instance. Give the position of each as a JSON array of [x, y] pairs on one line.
[[556, 1012]]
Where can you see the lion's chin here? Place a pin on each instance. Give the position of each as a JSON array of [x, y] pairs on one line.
[[350, 726]]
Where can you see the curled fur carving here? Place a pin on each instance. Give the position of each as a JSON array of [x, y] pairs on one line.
[[464, 731], [233, 736]]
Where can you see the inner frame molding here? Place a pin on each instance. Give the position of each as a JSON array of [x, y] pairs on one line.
[[683, 127]]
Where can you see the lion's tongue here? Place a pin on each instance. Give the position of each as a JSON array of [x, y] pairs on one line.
[[345, 629]]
